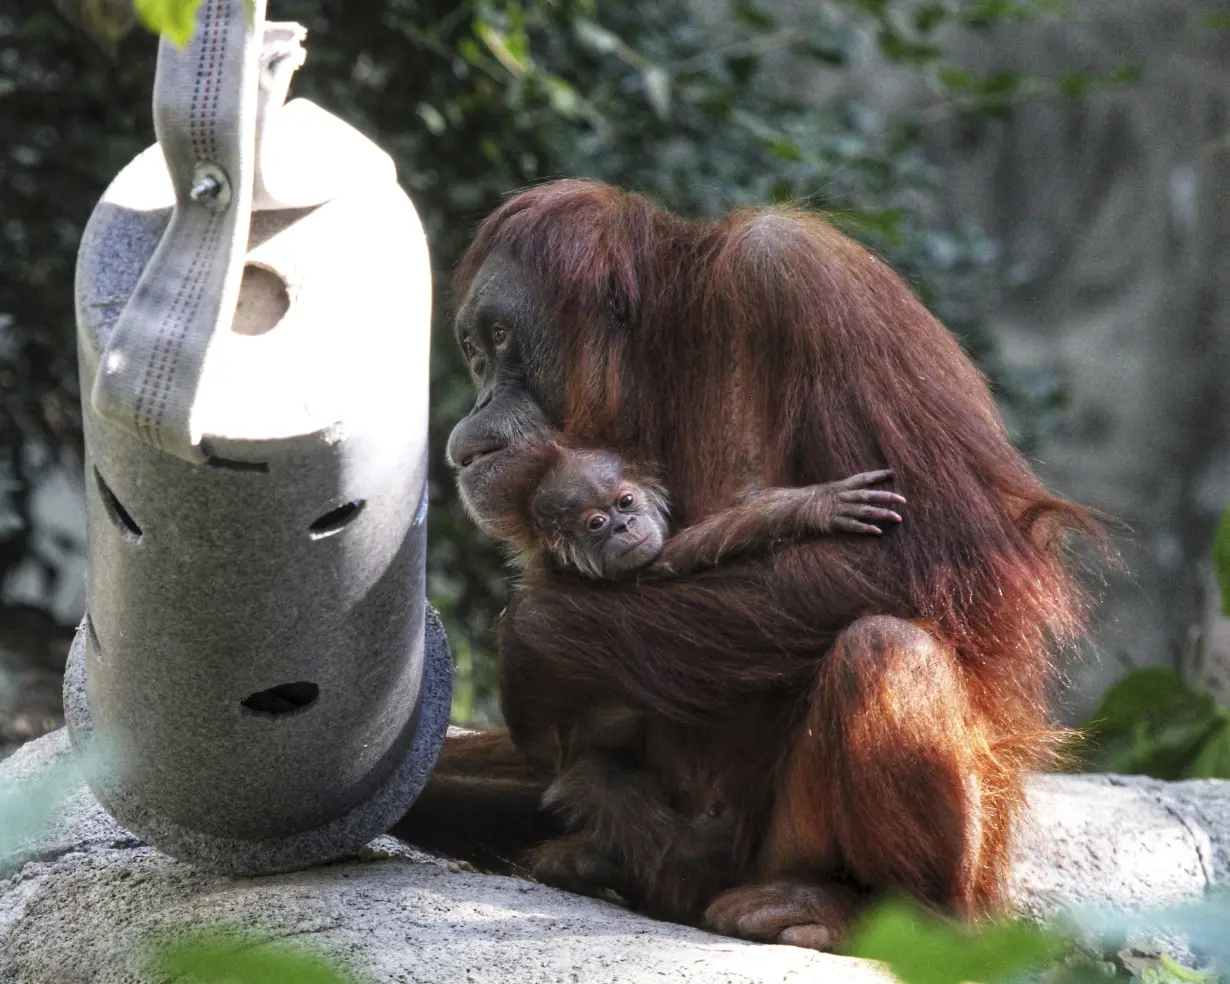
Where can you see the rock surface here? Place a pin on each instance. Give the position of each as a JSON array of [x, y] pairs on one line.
[[80, 897]]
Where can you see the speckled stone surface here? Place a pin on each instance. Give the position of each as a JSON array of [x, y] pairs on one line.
[[83, 898], [80, 897]]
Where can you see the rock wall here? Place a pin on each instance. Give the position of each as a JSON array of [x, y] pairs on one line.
[[1114, 217]]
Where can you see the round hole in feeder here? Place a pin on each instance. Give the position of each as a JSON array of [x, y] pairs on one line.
[[116, 512], [336, 519], [263, 301], [283, 699]]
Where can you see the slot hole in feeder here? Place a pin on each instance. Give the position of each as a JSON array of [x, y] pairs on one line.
[[283, 699], [336, 519], [227, 464], [116, 512]]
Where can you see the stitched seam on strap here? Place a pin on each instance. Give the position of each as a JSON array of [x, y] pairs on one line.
[[153, 393]]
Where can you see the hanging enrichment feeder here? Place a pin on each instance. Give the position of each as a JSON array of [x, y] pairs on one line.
[[258, 684]]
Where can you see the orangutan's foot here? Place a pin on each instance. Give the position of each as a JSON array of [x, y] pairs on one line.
[[816, 916], [572, 863]]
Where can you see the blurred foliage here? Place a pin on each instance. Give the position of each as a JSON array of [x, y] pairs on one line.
[[922, 949], [29, 806], [475, 99], [1082, 946], [1221, 560], [215, 957], [174, 18], [1152, 723]]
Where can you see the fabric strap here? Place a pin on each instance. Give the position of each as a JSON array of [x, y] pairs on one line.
[[230, 146], [205, 101]]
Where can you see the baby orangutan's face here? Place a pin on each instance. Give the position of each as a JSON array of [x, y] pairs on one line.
[[595, 520]]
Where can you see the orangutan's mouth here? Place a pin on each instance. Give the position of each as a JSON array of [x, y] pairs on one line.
[[477, 466], [634, 546], [480, 458]]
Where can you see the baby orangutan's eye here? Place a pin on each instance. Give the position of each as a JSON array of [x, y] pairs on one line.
[[595, 522], [627, 500]]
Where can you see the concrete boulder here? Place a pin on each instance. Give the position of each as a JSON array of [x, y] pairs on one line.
[[80, 898]]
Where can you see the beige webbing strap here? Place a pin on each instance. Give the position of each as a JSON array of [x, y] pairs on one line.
[[230, 147], [205, 108]]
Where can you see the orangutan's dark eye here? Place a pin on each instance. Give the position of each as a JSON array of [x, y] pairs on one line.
[[596, 522], [469, 350], [499, 335], [627, 500]]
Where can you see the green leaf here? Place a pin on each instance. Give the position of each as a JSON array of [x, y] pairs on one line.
[[921, 949], [1221, 560], [957, 78], [747, 13], [595, 36], [1150, 723], [1154, 692], [822, 48], [1075, 83], [1183, 973], [562, 97], [175, 19], [1004, 83], [511, 48], [1125, 75], [658, 90], [884, 223], [1213, 760], [235, 958], [742, 67], [1166, 751], [785, 150], [901, 49], [930, 16], [432, 118]]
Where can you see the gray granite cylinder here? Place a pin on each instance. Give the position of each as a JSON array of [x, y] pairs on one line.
[[253, 678]]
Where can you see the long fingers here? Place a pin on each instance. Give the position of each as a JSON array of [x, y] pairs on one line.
[[845, 524], [872, 513], [865, 478], [870, 495]]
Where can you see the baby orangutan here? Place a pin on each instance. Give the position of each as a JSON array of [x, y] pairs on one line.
[[592, 513]]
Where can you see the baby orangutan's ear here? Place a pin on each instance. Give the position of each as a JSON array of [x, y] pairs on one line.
[[656, 498]]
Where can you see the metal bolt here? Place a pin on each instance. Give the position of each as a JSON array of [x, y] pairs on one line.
[[211, 186]]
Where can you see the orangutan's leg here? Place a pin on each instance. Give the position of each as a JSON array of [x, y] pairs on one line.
[[884, 789]]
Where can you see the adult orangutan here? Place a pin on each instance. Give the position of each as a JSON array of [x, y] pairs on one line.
[[867, 706]]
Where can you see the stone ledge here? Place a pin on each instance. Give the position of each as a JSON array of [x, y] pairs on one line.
[[83, 895]]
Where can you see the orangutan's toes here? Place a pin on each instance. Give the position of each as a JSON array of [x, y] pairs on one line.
[[797, 913], [570, 863], [812, 936], [754, 912]]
